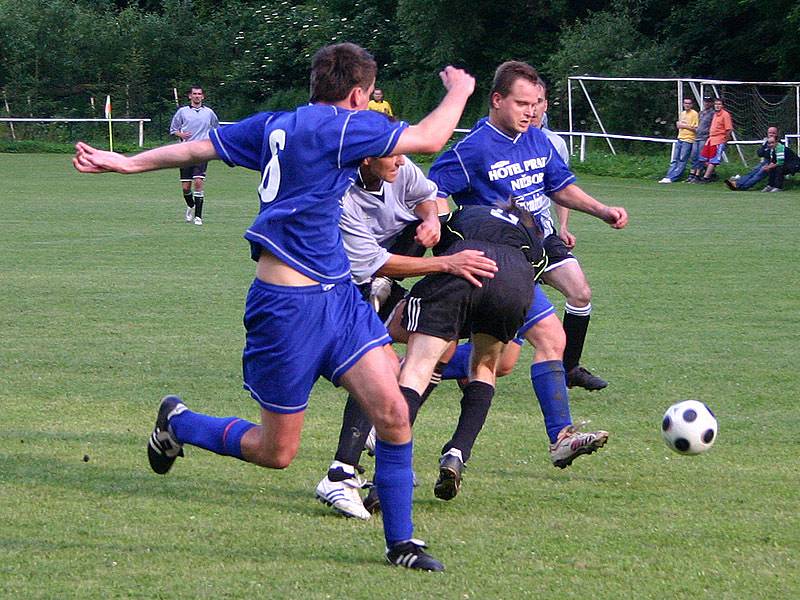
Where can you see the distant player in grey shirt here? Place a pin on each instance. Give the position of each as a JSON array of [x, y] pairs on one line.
[[190, 123]]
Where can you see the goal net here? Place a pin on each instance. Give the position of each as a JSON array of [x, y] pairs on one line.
[[648, 107]]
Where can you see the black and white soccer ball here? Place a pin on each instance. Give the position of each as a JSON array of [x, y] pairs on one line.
[[689, 427]]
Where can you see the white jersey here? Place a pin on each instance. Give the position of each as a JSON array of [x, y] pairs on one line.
[[199, 121], [371, 221], [561, 147]]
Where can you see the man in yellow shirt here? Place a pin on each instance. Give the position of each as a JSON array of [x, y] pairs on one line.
[[378, 104], [687, 125]]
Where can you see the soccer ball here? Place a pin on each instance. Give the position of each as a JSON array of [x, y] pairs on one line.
[[689, 427]]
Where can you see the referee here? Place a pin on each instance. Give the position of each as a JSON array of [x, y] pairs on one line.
[[190, 123]]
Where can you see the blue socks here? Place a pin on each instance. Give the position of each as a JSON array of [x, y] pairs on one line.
[[222, 435], [458, 367], [550, 388], [395, 482]]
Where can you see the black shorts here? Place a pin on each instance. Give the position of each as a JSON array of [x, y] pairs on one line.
[[556, 251], [192, 171], [450, 307]]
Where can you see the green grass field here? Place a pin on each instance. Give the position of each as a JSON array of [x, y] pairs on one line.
[[108, 301]]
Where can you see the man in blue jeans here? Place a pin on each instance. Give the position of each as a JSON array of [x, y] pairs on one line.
[[687, 126], [701, 135], [745, 182]]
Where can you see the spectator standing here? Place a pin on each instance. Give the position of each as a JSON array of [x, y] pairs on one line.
[[718, 136], [190, 123], [687, 126], [701, 135], [379, 104]]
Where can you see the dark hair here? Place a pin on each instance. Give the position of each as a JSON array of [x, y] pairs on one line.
[[195, 87], [337, 69], [526, 218], [507, 73]]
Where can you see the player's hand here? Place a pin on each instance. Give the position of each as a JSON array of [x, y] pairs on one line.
[[470, 264], [428, 233], [616, 216], [92, 160], [453, 78], [184, 135], [567, 237]]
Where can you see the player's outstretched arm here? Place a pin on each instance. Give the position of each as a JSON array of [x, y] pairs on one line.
[[431, 134], [574, 197], [91, 160]]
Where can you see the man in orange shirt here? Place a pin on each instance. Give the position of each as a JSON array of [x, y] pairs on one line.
[[718, 136]]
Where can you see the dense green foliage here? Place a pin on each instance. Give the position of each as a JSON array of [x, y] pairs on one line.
[[110, 301], [57, 56]]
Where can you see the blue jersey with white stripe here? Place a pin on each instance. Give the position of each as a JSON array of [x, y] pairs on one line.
[[488, 167], [307, 159]]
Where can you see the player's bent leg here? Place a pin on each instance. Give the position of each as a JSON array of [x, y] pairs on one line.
[[547, 338], [275, 443], [340, 488], [569, 279], [422, 356], [475, 404]]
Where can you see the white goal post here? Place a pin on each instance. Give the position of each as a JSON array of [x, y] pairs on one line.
[[754, 105], [12, 120]]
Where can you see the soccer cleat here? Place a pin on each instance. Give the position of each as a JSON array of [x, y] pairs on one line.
[[776, 189], [162, 447], [342, 495], [767, 188], [411, 555], [572, 443], [198, 221], [691, 178], [372, 502], [449, 482], [580, 377], [189, 214], [731, 183], [665, 180]]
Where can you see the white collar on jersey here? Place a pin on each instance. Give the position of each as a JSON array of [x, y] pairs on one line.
[[505, 135]]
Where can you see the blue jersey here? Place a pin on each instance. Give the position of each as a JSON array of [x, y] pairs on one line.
[[489, 167], [307, 159]]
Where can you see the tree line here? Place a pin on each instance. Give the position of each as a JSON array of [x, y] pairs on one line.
[[58, 55]]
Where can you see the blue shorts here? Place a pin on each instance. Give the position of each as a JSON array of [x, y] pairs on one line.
[[713, 154], [541, 307], [294, 335]]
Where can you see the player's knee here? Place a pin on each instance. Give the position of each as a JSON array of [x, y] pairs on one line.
[[391, 423], [273, 454], [505, 367], [276, 459], [580, 296], [548, 337]]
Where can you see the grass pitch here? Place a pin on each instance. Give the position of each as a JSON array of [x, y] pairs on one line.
[[109, 301]]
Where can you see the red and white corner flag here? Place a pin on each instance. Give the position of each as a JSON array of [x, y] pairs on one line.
[[108, 116]]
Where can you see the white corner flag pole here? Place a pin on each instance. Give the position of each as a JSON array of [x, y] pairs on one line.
[[175, 93], [108, 116]]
